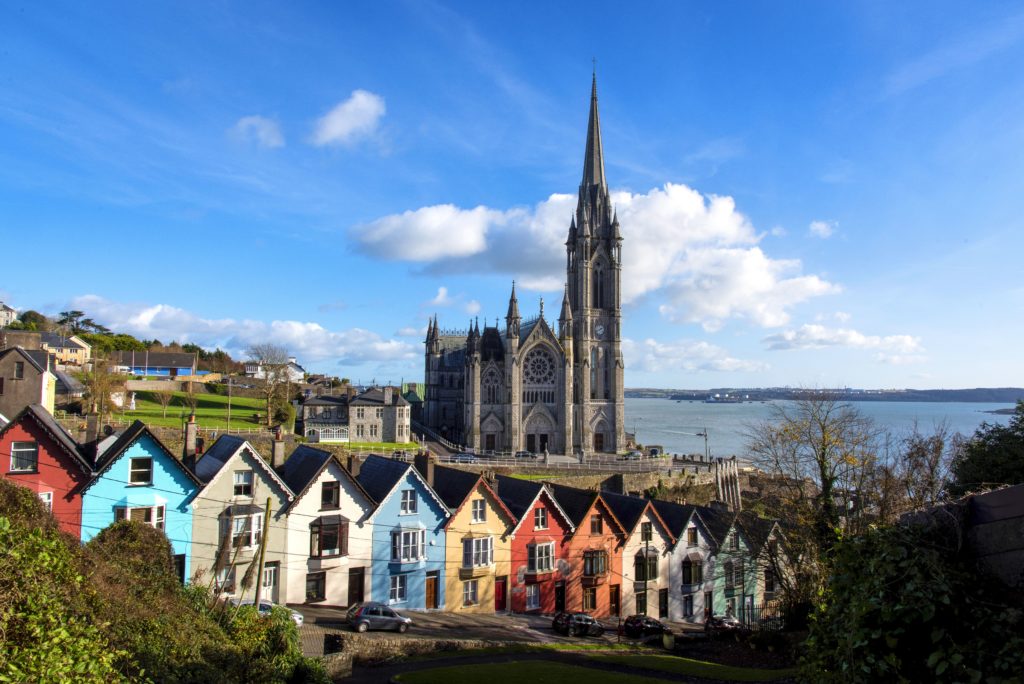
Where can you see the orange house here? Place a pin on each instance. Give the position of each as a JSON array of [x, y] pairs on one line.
[[592, 569]]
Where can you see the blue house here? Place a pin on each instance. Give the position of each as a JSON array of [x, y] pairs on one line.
[[137, 478], [408, 535]]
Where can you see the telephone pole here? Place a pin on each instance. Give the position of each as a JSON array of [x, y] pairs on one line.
[[263, 554]]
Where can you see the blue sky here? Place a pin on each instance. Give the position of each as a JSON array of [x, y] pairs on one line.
[[811, 194]]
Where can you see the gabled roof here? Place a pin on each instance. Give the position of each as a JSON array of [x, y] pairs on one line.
[[155, 359], [53, 339], [717, 520], [520, 496], [70, 385], [375, 395], [39, 360], [212, 461], [758, 530], [44, 420], [304, 466], [455, 486], [676, 516], [630, 509], [134, 433], [577, 502], [378, 477], [326, 400]]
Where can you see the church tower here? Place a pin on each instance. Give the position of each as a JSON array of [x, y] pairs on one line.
[[593, 276]]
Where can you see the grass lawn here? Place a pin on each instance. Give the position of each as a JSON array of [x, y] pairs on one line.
[[380, 447], [211, 411], [526, 647], [525, 672], [696, 668]]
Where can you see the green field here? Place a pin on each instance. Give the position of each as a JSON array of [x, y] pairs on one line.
[[532, 672], [696, 668], [211, 411]]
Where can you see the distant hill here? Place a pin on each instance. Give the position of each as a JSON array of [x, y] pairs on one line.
[[994, 395]]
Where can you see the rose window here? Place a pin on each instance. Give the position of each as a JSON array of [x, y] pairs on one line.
[[539, 368]]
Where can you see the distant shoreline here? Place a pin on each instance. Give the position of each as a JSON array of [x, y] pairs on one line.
[[1003, 412], [994, 395]]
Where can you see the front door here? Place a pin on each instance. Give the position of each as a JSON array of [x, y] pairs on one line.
[[431, 590], [531, 443], [641, 603], [355, 585], [489, 442], [613, 600], [599, 442], [543, 442], [663, 603], [500, 585], [559, 596], [179, 567]]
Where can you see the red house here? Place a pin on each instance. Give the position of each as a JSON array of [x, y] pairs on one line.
[[539, 546], [36, 452]]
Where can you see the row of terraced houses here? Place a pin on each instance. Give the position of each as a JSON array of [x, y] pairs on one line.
[[417, 536]]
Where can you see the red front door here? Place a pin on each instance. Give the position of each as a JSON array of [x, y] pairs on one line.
[[499, 593]]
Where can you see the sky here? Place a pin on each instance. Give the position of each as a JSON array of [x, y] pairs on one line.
[[811, 194]]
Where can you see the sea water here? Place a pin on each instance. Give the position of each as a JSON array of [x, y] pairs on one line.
[[676, 425]]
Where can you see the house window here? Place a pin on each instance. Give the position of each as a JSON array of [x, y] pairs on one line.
[[140, 471], [1, 386], [687, 571], [408, 501], [19, 370], [316, 586], [246, 530], [396, 594], [408, 546], [47, 499], [373, 430], [226, 580], [738, 572], [688, 605], [380, 413], [691, 536], [734, 542], [24, 457], [478, 552], [532, 596], [540, 519], [270, 576], [590, 598], [645, 567], [727, 571], [359, 431], [596, 525], [359, 413], [540, 557], [769, 580], [646, 531], [330, 495], [327, 540], [479, 510], [150, 515], [595, 563], [469, 593], [243, 483]]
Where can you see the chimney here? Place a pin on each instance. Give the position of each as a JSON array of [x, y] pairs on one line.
[[425, 464], [277, 450], [387, 395], [92, 428], [354, 464], [191, 441], [491, 478]]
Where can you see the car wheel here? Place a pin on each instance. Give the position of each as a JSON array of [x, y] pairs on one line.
[[362, 627], [403, 628], [571, 632], [599, 631]]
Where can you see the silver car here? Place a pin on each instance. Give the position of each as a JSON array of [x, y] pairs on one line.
[[373, 615], [266, 607]]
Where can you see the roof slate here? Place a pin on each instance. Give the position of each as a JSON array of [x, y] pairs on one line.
[[379, 475], [516, 494], [155, 359], [214, 458], [676, 516], [627, 509], [302, 466], [717, 520], [453, 485], [575, 502]]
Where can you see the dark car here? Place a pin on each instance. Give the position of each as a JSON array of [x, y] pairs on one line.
[[373, 615], [525, 454], [462, 458], [577, 624], [637, 626], [722, 623]]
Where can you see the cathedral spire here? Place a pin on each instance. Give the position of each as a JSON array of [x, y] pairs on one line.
[[513, 304], [566, 315], [593, 162]]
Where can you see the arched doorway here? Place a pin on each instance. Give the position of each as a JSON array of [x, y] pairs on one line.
[[539, 432], [599, 433]]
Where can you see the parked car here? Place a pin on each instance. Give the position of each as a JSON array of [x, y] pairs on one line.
[[632, 455], [722, 623], [266, 607], [637, 626], [577, 624], [462, 458], [525, 454], [373, 615]]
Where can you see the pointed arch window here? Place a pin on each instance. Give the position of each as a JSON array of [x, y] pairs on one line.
[[597, 287], [593, 373]]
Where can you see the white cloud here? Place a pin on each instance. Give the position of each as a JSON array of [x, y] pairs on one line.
[[442, 298], [258, 130], [308, 341], [356, 117], [472, 307], [842, 316], [900, 359], [822, 229], [778, 231], [697, 252], [690, 356], [814, 336]]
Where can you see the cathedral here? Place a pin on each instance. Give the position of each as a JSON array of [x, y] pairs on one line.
[[528, 387]]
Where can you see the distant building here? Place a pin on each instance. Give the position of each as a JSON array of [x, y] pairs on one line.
[[259, 370], [26, 377], [380, 414], [160, 364], [7, 315], [68, 349]]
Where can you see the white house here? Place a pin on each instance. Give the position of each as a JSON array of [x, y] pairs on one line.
[[259, 370], [646, 555]]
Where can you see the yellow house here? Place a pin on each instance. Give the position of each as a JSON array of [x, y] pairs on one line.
[[478, 541]]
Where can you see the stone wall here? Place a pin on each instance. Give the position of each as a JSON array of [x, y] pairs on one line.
[[342, 649]]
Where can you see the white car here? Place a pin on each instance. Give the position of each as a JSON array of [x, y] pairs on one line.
[[267, 606]]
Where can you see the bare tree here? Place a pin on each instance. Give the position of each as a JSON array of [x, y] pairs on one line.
[[100, 382], [273, 360], [190, 398], [163, 397]]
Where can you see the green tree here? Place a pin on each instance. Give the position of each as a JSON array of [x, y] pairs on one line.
[[33, 320], [994, 456]]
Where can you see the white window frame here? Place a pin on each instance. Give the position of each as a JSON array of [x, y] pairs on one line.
[[269, 573], [409, 504], [243, 483], [532, 596], [157, 515], [47, 499], [24, 448], [249, 527], [408, 546], [540, 557], [479, 507], [540, 518], [470, 593], [132, 470], [478, 552], [397, 590]]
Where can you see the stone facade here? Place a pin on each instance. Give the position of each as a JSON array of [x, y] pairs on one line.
[[25, 379], [528, 386]]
